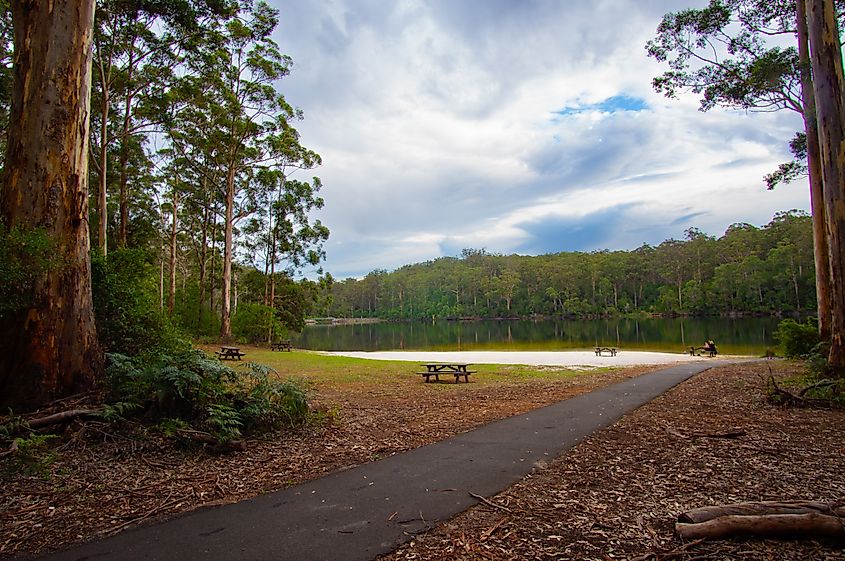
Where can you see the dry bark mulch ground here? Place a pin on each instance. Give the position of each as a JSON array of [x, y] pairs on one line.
[[616, 494], [105, 479]]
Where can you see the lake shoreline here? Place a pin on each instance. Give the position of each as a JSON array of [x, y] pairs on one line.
[[530, 358]]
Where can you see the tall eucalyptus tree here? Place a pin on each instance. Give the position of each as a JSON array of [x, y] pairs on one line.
[[50, 347], [721, 53], [829, 88], [228, 108]]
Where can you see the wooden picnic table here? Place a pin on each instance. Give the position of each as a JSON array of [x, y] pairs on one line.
[[281, 346], [229, 353], [711, 352], [609, 350], [456, 369]]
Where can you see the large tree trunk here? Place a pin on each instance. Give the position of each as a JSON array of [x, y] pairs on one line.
[[820, 248], [50, 349], [828, 82], [226, 300]]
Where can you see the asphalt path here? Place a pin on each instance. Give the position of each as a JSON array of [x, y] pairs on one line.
[[360, 513]]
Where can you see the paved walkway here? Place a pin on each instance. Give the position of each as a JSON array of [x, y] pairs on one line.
[[366, 511]]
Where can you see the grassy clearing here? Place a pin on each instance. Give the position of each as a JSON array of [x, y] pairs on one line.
[[322, 371]]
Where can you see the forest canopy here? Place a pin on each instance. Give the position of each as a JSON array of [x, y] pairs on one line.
[[749, 269]]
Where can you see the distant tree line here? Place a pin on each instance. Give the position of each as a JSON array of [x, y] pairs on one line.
[[749, 269]]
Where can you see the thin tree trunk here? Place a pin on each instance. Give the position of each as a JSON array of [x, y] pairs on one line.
[[820, 246], [828, 83], [171, 296], [124, 152], [226, 304], [203, 252], [50, 349], [213, 255], [102, 205]]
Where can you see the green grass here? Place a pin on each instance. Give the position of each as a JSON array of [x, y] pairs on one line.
[[318, 369]]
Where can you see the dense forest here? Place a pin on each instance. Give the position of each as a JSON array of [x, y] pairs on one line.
[[201, 191], [749, 269]]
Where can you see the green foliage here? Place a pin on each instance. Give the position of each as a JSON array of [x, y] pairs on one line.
[[31, 456], [254, 323], [798, 340], [24, 256], [119, 411], [126, 307], [749, 269], [189, 389]]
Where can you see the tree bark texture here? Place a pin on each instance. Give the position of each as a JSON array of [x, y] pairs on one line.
[[769, 518], [228, 249], [820, 246], [174, 231], [828, 82], [50, 349]]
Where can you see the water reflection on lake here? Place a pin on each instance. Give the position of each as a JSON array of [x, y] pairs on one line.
[[746, 336]]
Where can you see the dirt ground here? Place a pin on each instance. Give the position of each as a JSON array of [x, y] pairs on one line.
[[614, 496]]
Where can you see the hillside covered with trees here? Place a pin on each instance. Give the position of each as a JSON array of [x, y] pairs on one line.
[[749, 269]]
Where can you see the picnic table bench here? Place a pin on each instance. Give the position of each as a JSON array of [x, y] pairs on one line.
[[229, 353], [611, 351], [281, 346], [693, 351], [455, 369]]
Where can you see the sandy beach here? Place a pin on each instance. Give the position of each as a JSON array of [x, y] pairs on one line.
[[538, 358]]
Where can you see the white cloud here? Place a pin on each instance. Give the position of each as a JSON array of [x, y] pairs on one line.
[[437, 125]]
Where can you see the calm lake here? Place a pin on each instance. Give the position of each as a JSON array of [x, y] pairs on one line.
[[744, 336]]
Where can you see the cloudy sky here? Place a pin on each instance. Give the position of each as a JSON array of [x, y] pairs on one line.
[[519, 126]]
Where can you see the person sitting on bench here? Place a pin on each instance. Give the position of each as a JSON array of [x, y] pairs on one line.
[[710, 347]]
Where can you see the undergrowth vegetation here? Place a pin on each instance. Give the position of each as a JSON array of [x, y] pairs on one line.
[[817, 387], [190, 390]]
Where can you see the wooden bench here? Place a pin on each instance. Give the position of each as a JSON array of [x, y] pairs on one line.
[[281, 346], [456, 370], [699, 351], [229, 353], [611, 351]]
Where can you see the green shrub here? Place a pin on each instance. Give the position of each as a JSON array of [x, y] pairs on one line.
[[252, 323], [126, 304], [797, 340], [31, 456], [188, 389]]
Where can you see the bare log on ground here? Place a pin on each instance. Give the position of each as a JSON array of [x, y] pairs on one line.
[[771, 519], [61, 417], [706, 513]]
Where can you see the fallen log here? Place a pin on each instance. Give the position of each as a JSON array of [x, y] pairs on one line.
[[771, 525], [769, 519], [762, 508], [61, 417]]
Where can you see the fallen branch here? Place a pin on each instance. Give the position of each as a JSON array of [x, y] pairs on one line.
[[489, 531], [206, 438], [706, 513], [817, 385], [62, 417], [489, 503], [728, 434], [771, 518]]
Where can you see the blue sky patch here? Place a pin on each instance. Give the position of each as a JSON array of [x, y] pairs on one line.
[[613, 104]]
